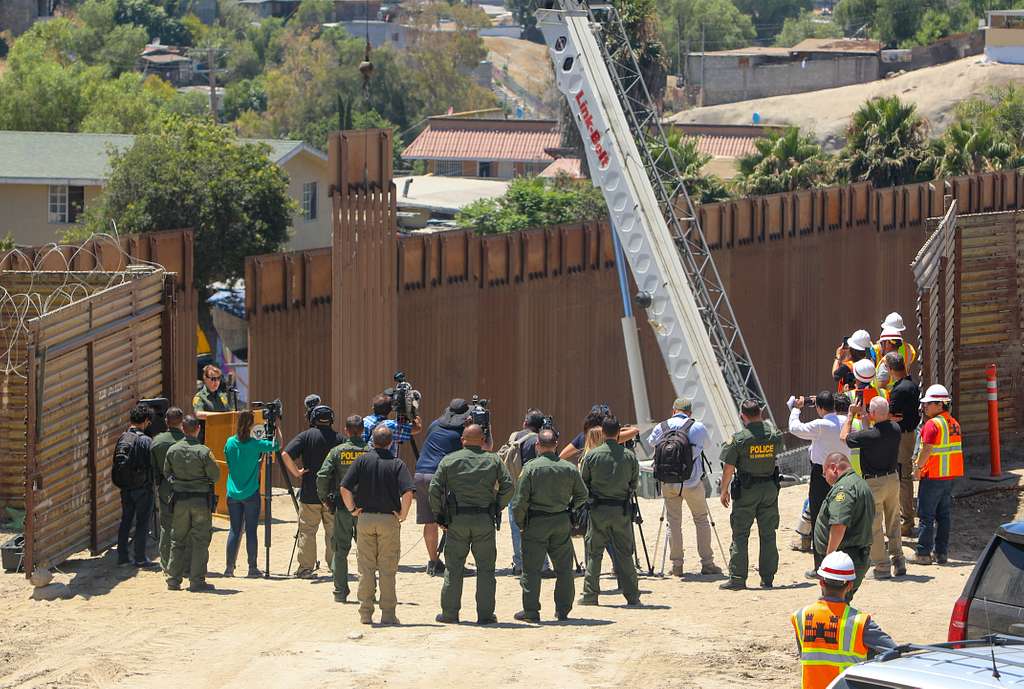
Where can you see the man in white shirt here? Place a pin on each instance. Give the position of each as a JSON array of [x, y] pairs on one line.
[[823, 432], [691, 490]]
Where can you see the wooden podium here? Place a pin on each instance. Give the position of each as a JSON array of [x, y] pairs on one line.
[[219, 427]]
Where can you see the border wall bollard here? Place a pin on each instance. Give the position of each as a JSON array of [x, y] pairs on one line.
[[993, 420]]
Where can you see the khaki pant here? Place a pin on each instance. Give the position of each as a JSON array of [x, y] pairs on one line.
[[907, 506], [310, 519], [378, 548], [886, 490], [698, 507]]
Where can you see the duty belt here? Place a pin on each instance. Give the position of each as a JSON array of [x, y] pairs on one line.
[[609, 503], [880, 475], [750, 478], [185, 496], [542, 513], [472, 510]]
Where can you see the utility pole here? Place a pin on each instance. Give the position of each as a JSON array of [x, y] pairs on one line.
[[703, 59], [211, 55]]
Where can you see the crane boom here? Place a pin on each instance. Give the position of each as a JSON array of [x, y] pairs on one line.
[[652, 214]]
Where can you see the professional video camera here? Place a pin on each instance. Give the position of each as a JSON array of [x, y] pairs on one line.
[[405, 401], [272, 413], [481, 415], [158, 407], [549, 424]]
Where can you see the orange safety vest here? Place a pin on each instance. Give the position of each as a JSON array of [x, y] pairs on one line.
[[831, 639], [947, 458]]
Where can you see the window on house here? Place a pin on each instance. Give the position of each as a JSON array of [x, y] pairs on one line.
[[65, 203], [486, 170], [309, 200], [448, 168]]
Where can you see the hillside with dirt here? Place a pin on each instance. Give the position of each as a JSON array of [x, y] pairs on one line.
[[935, 91], [522, 70]]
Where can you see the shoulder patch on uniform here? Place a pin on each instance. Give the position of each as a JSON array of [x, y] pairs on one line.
[[840, 496]]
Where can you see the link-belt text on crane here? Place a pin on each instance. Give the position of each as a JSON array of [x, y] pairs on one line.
[[595, 135]]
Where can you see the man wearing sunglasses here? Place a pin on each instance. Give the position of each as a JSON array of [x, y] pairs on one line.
[[210, 397]]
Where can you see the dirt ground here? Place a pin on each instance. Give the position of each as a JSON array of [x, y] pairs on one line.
[[525, 68], [935, 91], [122, 628]]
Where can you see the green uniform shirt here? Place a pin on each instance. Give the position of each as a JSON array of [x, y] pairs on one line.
[[548, 484], [475, 477], [335, 466], [190, 468], [753, 449], [850, 502], [158, 451], [610, 471], [204, 400]]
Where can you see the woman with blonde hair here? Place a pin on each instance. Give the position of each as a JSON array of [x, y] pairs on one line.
[[243, 453]]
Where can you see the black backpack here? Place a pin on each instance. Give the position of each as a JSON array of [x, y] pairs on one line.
[[673, 455], [130, 469]]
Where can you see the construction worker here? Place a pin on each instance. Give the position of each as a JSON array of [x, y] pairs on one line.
[[938, 463], [611, 474], [891, 340], [547, 492], [830, 635], [750, 467], [162, 442], [854, 348], [468, 491], [192, 473], [846, 520], [328, 488]]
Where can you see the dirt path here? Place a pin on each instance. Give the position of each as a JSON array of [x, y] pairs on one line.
[[123, 628]]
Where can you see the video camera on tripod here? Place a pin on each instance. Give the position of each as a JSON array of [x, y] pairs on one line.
[[481, 415], [158, 407], [405, 401], [272, 413]]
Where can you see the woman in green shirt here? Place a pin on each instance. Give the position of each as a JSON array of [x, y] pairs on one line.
[[244, 454]]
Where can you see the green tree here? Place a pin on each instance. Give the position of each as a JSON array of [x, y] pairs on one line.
[[533, 202], [769, 15], [717, 24], [194, 173], [154, 19], [853, 15], [1000, 109], [247, 94], [783, 162], [702, 186], [807, 25], [312, 13], [896, 21], [938, 23], [885, 143], [968, 149], [125, 105]]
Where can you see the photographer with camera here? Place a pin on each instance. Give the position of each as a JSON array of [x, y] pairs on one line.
[[192, 473], [328, 488], [823, 432], [573, 452], [468, 490], [311, 447], [211, 397], [132, 472], [854, 348], [402, 400], [244, 455], [444, 436]]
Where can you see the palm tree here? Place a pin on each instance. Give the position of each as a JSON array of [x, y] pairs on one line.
[[968, 149], [783, 162], [885, 143], [689, 162]]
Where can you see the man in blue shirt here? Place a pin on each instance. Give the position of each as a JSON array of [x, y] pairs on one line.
[[401, 432], [692, 491], [444, 436]]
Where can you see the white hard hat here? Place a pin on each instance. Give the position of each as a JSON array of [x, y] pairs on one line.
[[894, 321], [837, 566], [890, 333], [864, 370], [860, 340], [936, 393]]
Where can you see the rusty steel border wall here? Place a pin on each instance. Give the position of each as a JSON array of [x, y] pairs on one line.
[[288, 302]]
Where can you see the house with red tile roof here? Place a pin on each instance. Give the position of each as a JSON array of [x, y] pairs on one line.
[[486, 148]]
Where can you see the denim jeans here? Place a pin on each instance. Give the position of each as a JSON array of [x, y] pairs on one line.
[[137, 509], [517, 543], [243, 514], [934, 504]]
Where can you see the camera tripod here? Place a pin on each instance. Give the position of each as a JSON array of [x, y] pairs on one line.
[[711, 520], [268, 477]]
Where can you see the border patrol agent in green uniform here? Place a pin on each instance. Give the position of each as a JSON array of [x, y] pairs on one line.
[[611, 474], [328, 488], [754, 490], [467, 493], [548, 490], [192, 473], [162, 442], [210, 398], [846, 517]]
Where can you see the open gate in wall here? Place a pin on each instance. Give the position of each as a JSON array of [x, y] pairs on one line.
[[87, 365]]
